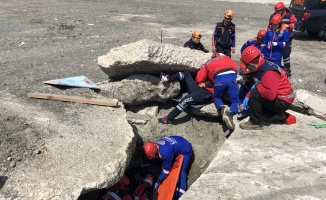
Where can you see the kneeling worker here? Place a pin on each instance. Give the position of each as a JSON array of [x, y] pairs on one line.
[[272, 92]]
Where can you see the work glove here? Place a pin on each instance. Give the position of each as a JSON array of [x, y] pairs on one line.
[[274, 43], [253, 87], [245, 103], [239, 80], [156, 185]]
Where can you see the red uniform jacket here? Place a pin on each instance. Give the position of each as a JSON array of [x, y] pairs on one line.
[[273, 82], [211, 68]]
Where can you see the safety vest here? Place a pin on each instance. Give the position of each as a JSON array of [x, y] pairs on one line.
[[285, 91], [224, 35]]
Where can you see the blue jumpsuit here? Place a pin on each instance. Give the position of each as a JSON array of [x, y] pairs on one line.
[[274, 53], [170, 148]]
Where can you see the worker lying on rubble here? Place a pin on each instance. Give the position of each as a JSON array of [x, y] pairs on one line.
[[198, 94], [167, 149], [272, 93], [214, 78]]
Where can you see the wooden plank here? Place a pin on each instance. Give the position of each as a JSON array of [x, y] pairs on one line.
[[76, 99]]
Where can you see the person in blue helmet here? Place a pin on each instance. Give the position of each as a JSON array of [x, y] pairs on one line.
[[167, 149]]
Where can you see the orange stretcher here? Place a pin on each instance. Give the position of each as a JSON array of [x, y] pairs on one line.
[[167, 188]]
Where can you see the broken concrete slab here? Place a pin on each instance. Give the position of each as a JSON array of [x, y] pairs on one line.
[[279, 162], [74, 158], [138, 89], [310, 103], [150, 57]]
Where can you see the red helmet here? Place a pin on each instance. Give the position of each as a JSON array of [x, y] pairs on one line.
[[150, 149], [121, 185], [249, 54], [279, 6], [261, 33], [124, 181], [276, 19]]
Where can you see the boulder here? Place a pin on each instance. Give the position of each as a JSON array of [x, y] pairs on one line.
[[85, 148], [150, 57], [138, 89]]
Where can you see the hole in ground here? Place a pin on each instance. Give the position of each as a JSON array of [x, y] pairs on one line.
[[206, 134]]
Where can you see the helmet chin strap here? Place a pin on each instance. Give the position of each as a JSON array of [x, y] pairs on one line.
[[252, 65], [260, 61]]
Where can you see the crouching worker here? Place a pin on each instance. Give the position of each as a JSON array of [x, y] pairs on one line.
[[222, 71], [272, 93], [167, 149], [144, 190], [119, 191]]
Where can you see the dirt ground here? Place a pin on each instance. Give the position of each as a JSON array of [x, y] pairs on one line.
[[44, 40]]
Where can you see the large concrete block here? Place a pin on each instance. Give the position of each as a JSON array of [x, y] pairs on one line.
[[150, 57]]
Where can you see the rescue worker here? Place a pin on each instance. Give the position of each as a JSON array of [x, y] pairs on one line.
[[223, 38], [199, 93], [272, 93], [214, 78], [256, 41], [290, 22], [194, 42], [167, 149], [222, 71], [119, 191], [245, 77], [144, 190], [276, 38]]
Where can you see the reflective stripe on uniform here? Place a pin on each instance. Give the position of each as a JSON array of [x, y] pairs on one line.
[[180, 190], [166, 171], [114, 195], [289, 96]]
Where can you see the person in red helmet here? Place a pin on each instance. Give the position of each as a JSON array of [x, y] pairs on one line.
[[256, 41], [275, 40], [272, 93], [167, 149], [119, 191], [194, 42], [244, 75], [223, 38], [290, 23]]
